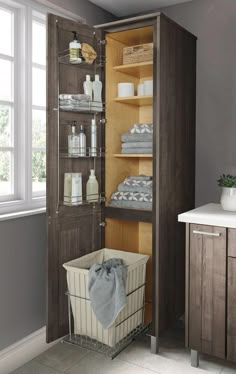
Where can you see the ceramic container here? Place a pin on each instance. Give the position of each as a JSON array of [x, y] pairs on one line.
[[125, 89], [228, 199], [140, 89], [148, 87]]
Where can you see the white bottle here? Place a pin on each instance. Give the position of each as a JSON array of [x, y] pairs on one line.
[[73, 141], [92, 187], [93, 148], [82, 142], [75, 50], [88, 87], [73, 189], [97, 89]]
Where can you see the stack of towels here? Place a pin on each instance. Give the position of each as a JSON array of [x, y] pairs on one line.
[[134, 192], [138, 139], [78, 102]]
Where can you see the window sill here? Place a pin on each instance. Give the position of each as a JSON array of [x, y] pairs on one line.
[[23, 213]]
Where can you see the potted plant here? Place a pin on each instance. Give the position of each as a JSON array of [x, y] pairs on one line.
[[228, 194]]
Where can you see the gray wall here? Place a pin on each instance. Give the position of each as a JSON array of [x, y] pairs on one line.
[[22, 277], [23, 246], [213, 22], [93, 14]]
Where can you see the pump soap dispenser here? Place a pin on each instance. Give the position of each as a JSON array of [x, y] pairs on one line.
[[75, 50]]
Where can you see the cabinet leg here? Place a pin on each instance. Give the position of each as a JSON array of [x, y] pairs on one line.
[[154, 345], [194, 358]]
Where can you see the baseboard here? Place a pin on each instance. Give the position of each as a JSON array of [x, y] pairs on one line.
[[23, 351]]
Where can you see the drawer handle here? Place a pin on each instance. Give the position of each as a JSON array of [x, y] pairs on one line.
[[207, 233]]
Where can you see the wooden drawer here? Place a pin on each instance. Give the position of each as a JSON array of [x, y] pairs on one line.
[[232, 242], [231, 317]]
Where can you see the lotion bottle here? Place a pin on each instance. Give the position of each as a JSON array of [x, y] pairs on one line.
[[82, 142], [73, 141], [93, 148], [92, 187], [88, 87], [97, 89], [75, 50]]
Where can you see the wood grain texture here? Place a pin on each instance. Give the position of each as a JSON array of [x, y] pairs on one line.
[[231, 317], [207, 290], [187, 259], [174, 148], [72, 232], [232, 242]]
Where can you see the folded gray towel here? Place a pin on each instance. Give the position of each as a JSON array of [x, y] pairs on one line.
[[142, 128], [136, 150], [131, 204], [134, 185], [77, 97], [137, 145], [107, 290], [140, 177], [127, 137], [132, 196]]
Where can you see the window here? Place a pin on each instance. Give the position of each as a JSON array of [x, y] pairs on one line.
[[22, 107]]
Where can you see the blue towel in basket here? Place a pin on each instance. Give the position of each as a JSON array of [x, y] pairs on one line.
[[107, 290]]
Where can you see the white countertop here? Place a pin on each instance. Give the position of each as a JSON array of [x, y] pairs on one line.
[[210, 214]]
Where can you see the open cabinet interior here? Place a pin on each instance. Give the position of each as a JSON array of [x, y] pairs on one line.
[[121, 114], [75, 230]]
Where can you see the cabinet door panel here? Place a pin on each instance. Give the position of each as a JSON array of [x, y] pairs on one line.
[[231, 318], [207, 289]]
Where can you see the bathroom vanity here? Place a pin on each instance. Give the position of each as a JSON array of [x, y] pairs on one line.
[[210, 309]]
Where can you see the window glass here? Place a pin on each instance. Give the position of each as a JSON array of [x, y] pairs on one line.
[[39, 129], [39, 87], [38, 171], [6, 32], [6, 183], [6, 79], [39, 43], [6, 138]]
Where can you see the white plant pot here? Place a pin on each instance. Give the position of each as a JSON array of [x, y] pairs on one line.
[[228, 199]]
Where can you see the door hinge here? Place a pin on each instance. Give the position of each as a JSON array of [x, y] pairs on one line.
[[102, 42], [103, 121], [102, 224]]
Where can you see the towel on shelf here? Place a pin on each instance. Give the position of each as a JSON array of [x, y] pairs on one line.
[[128, 138], [131, 196], [141, 128], [134, 185], [107, 290], [136, 151], [142, 205], [140, 177], [74, 97], [137, 145]]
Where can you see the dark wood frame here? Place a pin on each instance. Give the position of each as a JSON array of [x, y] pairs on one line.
[[173, 167]]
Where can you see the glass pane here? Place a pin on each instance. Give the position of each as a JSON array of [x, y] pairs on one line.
[[6, 131], [6, 32], [39, 87], [6, 185], [39, 171], [6, 80], [39, 128], [39, 43]]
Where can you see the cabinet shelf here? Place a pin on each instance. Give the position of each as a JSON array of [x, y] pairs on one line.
[[133, 155], [137, 215], [135, 100], [139, 70]]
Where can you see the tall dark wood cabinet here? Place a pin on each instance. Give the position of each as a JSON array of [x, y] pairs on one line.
[[78, 230]]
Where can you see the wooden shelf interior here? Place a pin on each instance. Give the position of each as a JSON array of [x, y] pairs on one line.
[[134, 236], [133, 155], [135, 100], [139, 70]]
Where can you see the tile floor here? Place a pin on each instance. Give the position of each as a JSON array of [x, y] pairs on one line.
[[135, 359]]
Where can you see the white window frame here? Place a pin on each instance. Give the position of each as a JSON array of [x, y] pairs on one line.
[[24, 12]]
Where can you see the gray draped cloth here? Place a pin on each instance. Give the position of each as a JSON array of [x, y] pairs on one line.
[[107, 290]]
